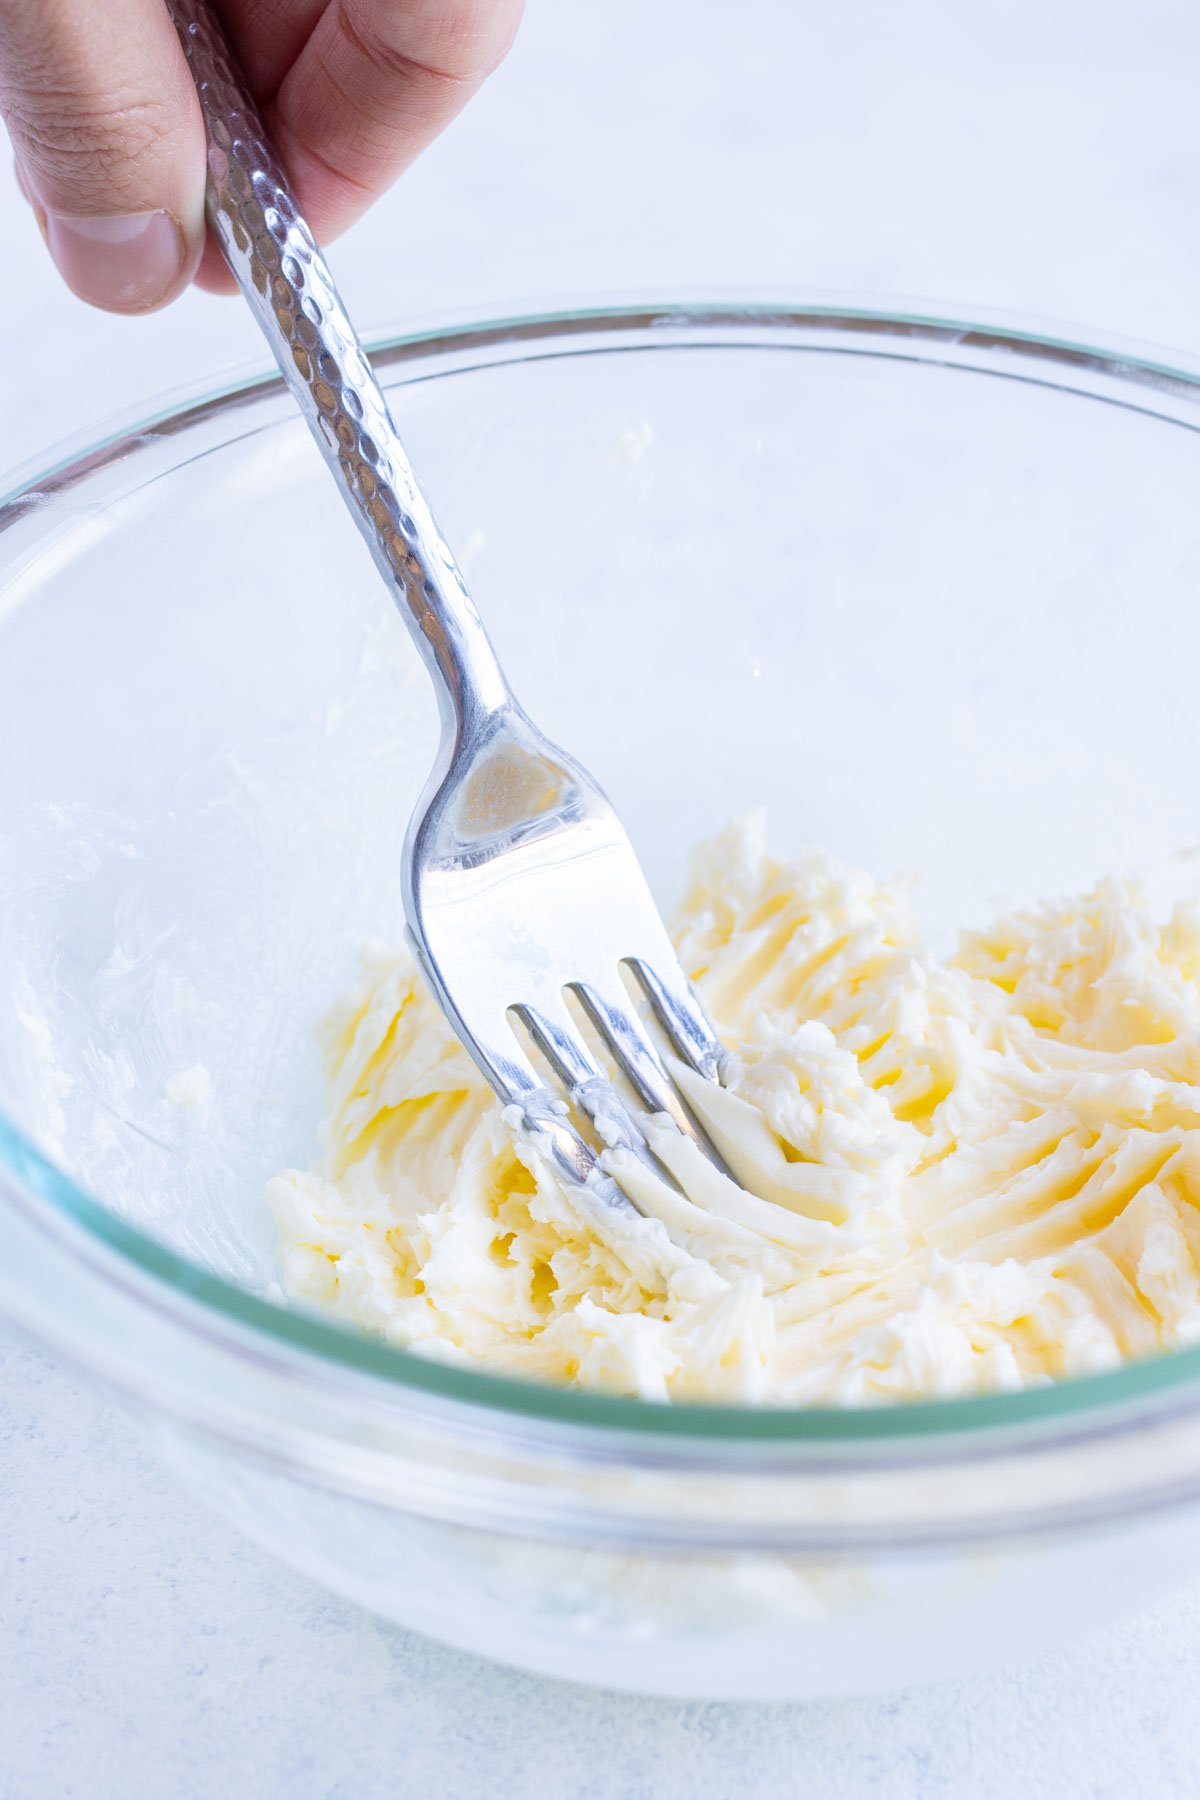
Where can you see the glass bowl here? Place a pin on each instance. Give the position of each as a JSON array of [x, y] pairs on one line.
[[926, 588]]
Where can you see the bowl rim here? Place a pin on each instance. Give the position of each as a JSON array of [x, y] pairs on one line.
[[1115, 371]]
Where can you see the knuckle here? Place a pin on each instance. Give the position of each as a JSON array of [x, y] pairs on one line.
[[450, 42], [84, 145]]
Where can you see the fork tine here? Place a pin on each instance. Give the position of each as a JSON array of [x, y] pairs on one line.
[[543, 1114], [639, 1061], [680, 1015], [544, 1119], [587, 1083]]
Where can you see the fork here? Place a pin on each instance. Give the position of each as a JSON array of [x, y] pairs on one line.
[[520, 884]]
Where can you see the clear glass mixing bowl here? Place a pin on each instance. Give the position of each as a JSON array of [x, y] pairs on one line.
[[926, 588]]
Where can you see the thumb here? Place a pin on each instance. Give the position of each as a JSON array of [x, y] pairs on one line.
[[109, 144]]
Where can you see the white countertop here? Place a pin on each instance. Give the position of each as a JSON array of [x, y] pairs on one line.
[[1037, 157]]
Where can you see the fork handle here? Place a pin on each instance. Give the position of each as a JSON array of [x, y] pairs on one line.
[[281, 272]]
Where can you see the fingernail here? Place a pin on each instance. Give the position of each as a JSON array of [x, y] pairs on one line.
[[126, 263]]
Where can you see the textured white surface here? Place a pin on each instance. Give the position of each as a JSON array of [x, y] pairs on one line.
[[1043, 158], [148, 1653]]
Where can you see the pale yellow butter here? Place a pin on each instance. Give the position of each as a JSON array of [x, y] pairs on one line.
[[953, 1176]]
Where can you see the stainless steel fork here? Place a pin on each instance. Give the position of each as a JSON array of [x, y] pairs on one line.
[[520, 883]]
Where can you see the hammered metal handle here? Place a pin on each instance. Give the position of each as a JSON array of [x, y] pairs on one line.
[[281, 272]]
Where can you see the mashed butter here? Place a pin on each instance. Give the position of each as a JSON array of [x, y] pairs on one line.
[[952, 1176]]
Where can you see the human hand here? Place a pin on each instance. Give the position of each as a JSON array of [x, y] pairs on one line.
[[109, 143]]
